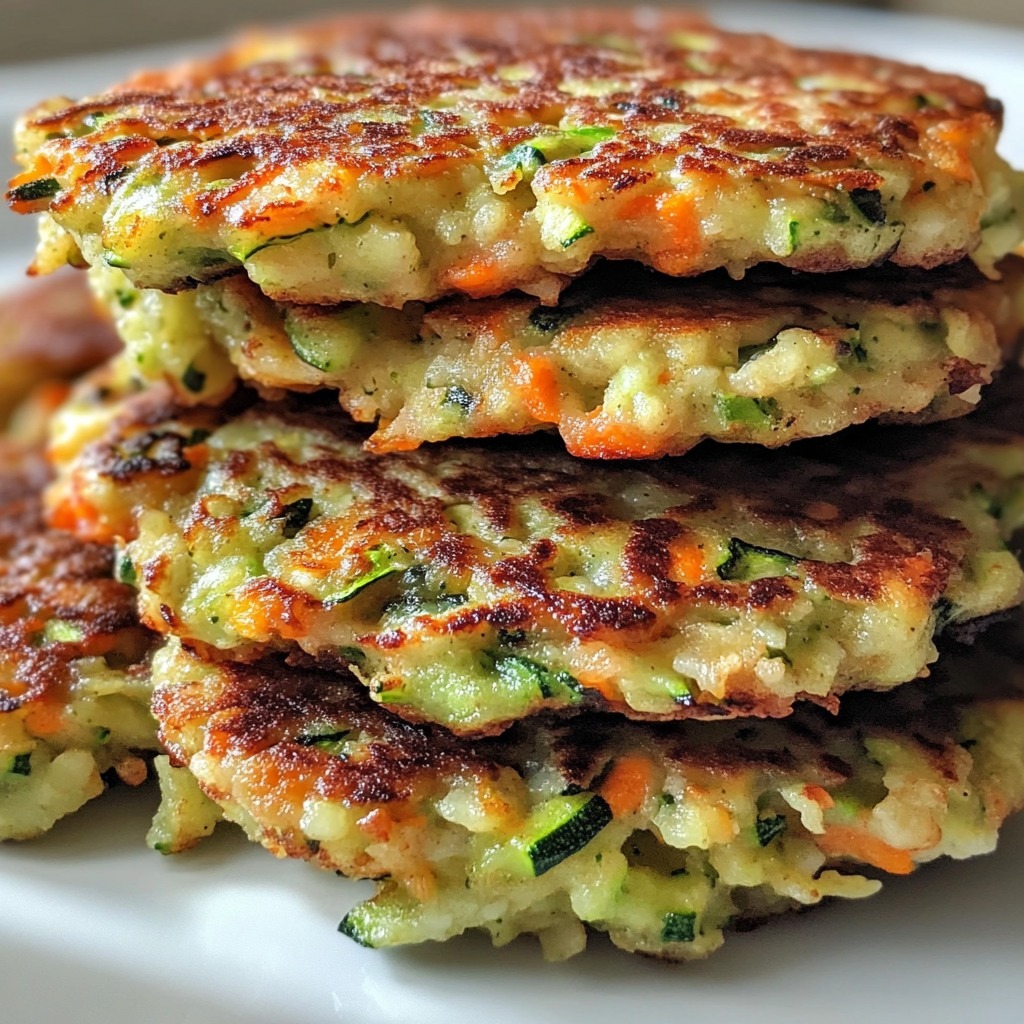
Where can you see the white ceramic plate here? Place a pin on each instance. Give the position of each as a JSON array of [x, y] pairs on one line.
[[95, 928]]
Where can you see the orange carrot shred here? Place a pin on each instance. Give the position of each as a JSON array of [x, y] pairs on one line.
[[536, 383], [627, 784], [688, 563], [843, 841]]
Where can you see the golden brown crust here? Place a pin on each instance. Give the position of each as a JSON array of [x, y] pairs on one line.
[[619, 578], [425, 98], [46, 577], [259, 720]]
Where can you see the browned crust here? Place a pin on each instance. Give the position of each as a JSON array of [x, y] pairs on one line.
[[901, 543], [323, 107], [47, 575], [258, 714], [261, 710]]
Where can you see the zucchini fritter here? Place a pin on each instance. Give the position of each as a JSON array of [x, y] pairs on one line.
[[659, 835], [74, 682], [473, 585], [404, 157], [628, 364]]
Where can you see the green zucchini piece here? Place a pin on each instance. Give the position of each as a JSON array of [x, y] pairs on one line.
[[197, 436], [549, 319], [330, 742], [314, 347], [515, 670], [945, 612], [794, 236], [993, 220], [111, 259], [768, 828], [193, 379], [243, 252], [60, 631], [126, 571], [757, 412], [748, 352], [580, 230], [381, 564], [679, 926], [869, 202], [185, 815], [748, 562], [33, 191], [351, 926], [857, 349], [353, 655], [834, 213], [562, 826], [458, 397], [518, 164], [567, 226], [20, 764], [410, 604], [96, 120], [569, 142]]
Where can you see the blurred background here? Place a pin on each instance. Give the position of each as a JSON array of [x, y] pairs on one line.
[[34, 29]]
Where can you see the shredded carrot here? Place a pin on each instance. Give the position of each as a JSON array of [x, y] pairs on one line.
[[641, 207], [677, 217], [70, 511], [477, 277], [263, 608], [596, 435], [497, 807], [577, 191], [602, 683], [822, 797], [687, 562], [196, 455], [132, 770], [386, 439], [279, 220], [378, 824], [954, 143], [263, 775], [843, 841], [536, 383], [44, 717], [323, 542], [628, 784]]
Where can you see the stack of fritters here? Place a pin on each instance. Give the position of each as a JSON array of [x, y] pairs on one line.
[[484, 673]]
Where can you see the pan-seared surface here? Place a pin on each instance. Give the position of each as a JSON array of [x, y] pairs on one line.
[[472, 586], [628, 364], [399, 158], [660, 835], [74, 686]]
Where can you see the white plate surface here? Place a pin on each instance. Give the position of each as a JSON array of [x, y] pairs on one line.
[[94, 928]]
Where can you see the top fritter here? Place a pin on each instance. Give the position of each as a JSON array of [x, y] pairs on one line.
[[398, 159]]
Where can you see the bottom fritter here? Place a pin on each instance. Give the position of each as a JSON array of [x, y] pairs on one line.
[[74, 676], [660, 835]]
